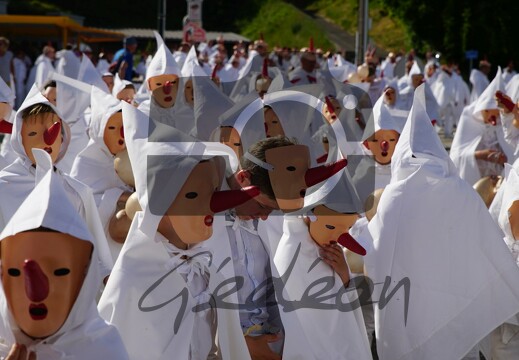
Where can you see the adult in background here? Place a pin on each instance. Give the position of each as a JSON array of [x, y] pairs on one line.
[[6, 57], [123, 59]]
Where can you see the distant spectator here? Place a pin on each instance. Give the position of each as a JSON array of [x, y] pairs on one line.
[[6, 58], [123, 59], [103, 64], [20, 75]]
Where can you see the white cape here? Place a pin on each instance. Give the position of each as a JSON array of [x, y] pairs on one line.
[[312, 332], [433, 229]]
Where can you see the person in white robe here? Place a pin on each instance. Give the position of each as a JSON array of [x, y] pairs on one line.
[[479, 80], [7, 116], [72, 100], [450, 285], [162, 81], [162, 257], [310, 255], [42, 69], [443, 89], [479, 148], [305, 73], [47, 131], [94, 166], [505, 339], [68, 324]]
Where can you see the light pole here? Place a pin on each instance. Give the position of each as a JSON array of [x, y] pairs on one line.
[[161, 17], [362, 31]]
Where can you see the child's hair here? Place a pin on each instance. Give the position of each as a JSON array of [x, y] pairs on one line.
[[37, 109], [259, 176], [129, 86], [50, 83]]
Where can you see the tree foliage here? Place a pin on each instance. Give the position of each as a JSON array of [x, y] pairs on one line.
[[454, 26]]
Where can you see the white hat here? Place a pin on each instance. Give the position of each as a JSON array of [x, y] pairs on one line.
[[163, 63], [486, 100]]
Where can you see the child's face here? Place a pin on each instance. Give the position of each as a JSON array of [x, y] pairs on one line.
[[126, 94], [330, 225], [189, 93], [513, 217], [390, 96], [190, 218], [164, 89], [5, 111], [114, 134], [288, 177], [109, 81], [272, 124], [35, 131], [50, 94], [42, 274], [382, 145], [330, 117], [230, 137], [417, 80], [490, 116]]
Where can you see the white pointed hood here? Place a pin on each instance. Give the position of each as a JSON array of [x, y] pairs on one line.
[[210, 103], [487, 100], [103, 106], [68, 63], [84, 335], [158, 39], [510, 195], [72, 97], [247, 118], [35, 97], [191, 66], [383, 118], [296, 108], [6, 93], [419, 144], [119, 85], [162, 63], [153, 161], [89, 74], [432, 228]]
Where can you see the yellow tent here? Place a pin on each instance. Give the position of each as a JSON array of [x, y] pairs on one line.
[[58, 27]]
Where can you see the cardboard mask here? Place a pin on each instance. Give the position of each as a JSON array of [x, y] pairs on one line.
[[190, 216], [330, 225], [42, 274], [382, 144], [5, 111], [114, 134], [331, 109], [189, 93], [164, 89], [42, 131], [273, 126], [290, 174], [229, 136]]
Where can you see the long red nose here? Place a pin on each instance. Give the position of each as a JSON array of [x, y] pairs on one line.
[[384, 146], [51, 134], [329, 105], [318, 174], [223, 200], [350, 243], [122, 132], [6, 127], [167, 87], [265, 69], [36, 283]]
